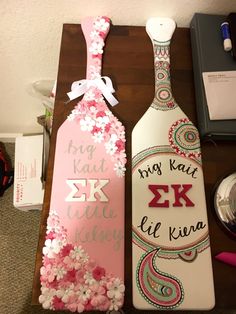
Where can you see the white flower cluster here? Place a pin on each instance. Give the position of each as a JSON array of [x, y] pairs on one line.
[[97, 41]]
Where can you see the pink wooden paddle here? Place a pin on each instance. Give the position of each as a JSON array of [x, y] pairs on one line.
[[83, 263]]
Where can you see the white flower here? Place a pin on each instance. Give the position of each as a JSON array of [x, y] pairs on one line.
[[83, 293], [108, 113], [122, 135], [84, 258], [93, 109], [51, 247], [98, 137], [115, 289], [102, 121], [65, 294], [101, 24], [77, 253], [87, 124], [89, 95], [70, 117], [89, 280], [111, 148], [115, 305], [113, 138], [119, 169], [94, 34], [46, 297], [96, 48], [75, 112], [59, 272], [54, 228], [100, 99]]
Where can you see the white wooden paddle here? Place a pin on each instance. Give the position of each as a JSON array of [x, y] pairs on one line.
[[171, 252]]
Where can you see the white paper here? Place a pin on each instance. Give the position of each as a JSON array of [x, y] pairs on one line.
[[220, 89]]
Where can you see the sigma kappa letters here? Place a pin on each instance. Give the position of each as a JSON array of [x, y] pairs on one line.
[[164, 193]]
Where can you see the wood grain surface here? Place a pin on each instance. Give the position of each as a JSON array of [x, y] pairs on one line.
[[128, 61]]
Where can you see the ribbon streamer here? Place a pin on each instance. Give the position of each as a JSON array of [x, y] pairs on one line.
[[79, 88]]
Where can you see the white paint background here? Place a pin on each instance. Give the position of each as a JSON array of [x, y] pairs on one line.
[[30, 42]]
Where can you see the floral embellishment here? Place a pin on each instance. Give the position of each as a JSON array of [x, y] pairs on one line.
[[96, 48], [98, 273], [115, 289], [92, 113], [101, 27], [101, 24], [94, 117], [71, 280]]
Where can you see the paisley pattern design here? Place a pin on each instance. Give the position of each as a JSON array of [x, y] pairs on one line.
[[163, 99], [159, 289], [163, 290], [184, 139]]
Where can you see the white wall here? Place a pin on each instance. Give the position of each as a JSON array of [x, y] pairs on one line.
[[30, 42]]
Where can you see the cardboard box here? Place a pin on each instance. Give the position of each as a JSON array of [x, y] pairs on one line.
[[28, 182]]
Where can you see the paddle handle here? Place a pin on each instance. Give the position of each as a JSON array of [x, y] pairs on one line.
[[160, 29], [95, 30]]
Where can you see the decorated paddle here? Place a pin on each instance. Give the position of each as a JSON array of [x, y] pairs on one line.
[[83, 256], [171, 252]]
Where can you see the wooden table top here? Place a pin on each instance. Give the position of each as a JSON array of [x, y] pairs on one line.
[[128, 61]]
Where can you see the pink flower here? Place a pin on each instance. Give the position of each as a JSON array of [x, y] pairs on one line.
[[80, 307], [90, 265], [107, 127], [53, 285], [47, 273], [74, 304], [82, 108], [100, 114], [120, 145], [99, 56], [80, 276], [52, 220], [117, 126], [95, 129], [57, 303], [88, 306], [91, 103], [106, 19], [72, 307], [70, 275], [102, 34], [97, 295], [64, 284], [104, 306], [121, 157], [51, 235], [47, 260], [97, 93], [65, 251], [68, 262], [98, 273], [101, 106]]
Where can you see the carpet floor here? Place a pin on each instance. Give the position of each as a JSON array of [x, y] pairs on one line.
[[18, 244]]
